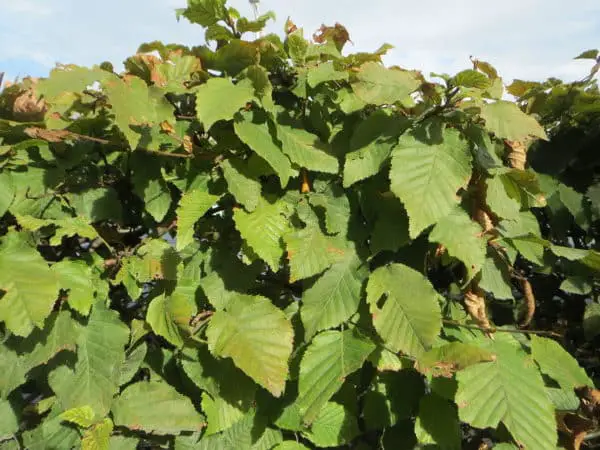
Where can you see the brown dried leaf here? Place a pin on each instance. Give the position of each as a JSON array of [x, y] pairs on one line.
[[290, 26], [48, 135], [517, 154], [475, 304], [529, 299], [166, 127], [27, 107], [337, 33]]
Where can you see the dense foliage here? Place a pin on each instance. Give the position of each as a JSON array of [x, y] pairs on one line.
[[271, 243]]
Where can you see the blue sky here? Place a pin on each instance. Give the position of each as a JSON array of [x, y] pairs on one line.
[[530, 39]]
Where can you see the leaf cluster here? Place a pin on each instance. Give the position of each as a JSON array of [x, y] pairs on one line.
[[271, 243]]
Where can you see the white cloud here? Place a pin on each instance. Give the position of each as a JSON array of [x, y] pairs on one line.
[[523, 38]]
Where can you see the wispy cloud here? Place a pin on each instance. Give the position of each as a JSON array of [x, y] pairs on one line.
[[523, 38]]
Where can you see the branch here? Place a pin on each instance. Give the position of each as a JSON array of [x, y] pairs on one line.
[[62, 135], [502, 330]]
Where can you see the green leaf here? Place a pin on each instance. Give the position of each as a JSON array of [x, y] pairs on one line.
[[244, 25], [371, 145], [204, 12], [244, 434], [335, 203], [463, 239], [264, 228], [24, 305], [403, 324], [452, 357], [97, 205], [132, 364], [558, 364], [426, 177], [9, 422], [379, 86], [588, 54], [573, 201], [330, 357], [591, 321], [70, 78], [219, 413], [526, 225], [74, 276], [290, 445], [149, 185], [263, 89], [507, 121], [297, 46], [255, 133], [51, 434], [60, 333], [495, 277], [82, 416], [192, 206], [306, 150], [242, 183], [98, 436], [7, 192], [156, 408], [325, 72], [563, 399], [392, 396], [508, 390], [576, 285], [334, 297], [334, 426], [257, 336], [438, 423], [524, 187], [310, 252], [135, 104], [500, 203], [390, 231], [219, 99], [472, 79], [100, 353], [220, 378], [170, 317]]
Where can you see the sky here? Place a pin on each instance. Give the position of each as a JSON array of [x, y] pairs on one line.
[[526, 39]]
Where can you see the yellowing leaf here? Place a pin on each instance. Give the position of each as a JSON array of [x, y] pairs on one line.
[[257, 336], [98, 436]]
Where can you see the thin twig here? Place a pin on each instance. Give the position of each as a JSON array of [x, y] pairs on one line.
[[503, 330]]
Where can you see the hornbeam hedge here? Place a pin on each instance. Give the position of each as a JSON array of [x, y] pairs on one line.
[[272, 243]]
